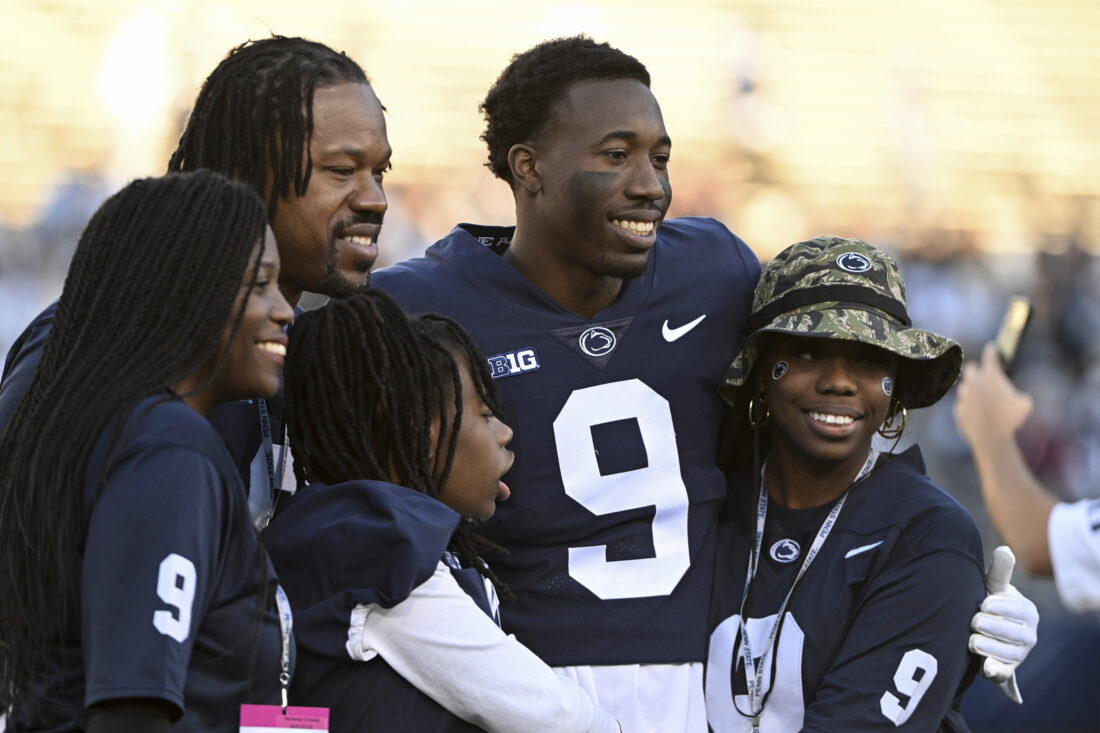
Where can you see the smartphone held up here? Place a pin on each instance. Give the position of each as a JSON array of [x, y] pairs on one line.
[[1011, 331]]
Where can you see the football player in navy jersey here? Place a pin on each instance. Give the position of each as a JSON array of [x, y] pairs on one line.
[[137, 596], [301, 124], [608, 330], [831, 358], [400, 449]]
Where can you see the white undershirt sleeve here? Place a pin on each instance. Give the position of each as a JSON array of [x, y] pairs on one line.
[[448, 648], [1074, 535]]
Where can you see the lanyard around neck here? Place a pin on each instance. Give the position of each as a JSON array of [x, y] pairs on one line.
[[286, 626], [754, 675], [275, 475]]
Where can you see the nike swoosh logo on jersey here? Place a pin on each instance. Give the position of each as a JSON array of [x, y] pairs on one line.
[[858, 550], [671, 334]]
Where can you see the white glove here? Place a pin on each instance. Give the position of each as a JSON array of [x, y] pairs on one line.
[[1006, 626]]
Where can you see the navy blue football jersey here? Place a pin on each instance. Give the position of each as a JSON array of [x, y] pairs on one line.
[[361, 542], [177, 597], [875, 635], [615, 492]]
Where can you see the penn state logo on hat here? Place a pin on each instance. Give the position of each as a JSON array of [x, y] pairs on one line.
[[853, 262]]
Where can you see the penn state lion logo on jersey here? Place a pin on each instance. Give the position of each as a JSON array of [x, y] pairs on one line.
[[597, 341]]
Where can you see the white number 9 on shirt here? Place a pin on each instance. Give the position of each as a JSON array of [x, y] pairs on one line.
[[176, 587], [659, 484], [905, 679]]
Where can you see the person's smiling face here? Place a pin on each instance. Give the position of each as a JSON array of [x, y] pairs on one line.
[[251, 350], [603, 169], [255, 356], [328, 236], [827, 404]]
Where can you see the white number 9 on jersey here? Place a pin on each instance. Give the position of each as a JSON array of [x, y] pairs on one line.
[[659, 484], [176, 587], [906, 680]]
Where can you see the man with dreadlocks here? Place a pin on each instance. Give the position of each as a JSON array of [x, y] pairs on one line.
[[609, 330], [399, 451], [299, 123]]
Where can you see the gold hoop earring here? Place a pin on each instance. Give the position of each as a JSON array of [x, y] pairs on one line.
[[890, 428], [765, 413]]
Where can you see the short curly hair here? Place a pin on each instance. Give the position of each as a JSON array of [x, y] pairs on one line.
[[518, 107]]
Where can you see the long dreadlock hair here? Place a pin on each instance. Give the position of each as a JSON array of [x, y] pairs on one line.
[[149, 293], [253, 117], [364, 383]]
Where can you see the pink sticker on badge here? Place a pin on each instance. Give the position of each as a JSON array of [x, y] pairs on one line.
[[272, 719]]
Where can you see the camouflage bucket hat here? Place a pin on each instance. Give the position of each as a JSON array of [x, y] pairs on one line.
[[845, 289]]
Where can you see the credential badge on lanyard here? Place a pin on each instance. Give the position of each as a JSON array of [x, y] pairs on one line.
[[274, 718]]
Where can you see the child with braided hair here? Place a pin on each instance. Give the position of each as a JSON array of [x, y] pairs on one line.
[[136, 594], [399, 450]]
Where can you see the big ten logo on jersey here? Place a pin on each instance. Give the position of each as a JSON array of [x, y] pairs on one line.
[[511, 363]]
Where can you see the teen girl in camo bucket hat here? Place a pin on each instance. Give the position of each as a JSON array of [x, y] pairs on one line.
[[845, 578], [836, 288]]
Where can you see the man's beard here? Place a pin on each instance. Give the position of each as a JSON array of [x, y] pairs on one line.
[[335, 285]]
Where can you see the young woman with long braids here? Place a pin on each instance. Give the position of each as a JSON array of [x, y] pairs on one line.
[[136, 594], [846, 580], [398, 451]]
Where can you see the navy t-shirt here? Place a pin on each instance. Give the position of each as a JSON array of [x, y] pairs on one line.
[[612, 520], [177, 597], [875, 636]]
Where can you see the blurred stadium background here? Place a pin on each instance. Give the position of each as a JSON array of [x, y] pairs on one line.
[[962, 135]]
